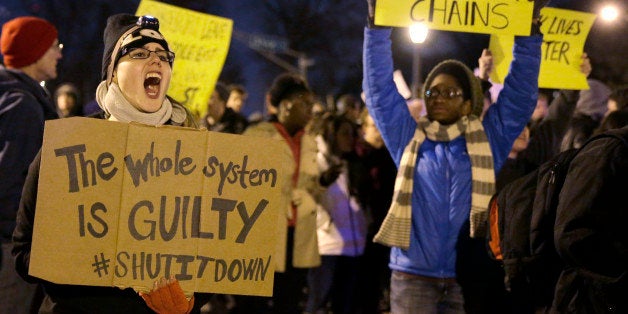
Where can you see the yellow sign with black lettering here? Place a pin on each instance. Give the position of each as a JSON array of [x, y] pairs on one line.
[[200, 42], [129, 204], [564, 35], [472, 16]]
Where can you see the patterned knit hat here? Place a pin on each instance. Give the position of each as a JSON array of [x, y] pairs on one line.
[[125, 30], [470, 84], [25, 40]]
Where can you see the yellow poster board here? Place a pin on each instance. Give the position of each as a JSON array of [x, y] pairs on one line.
[[564, 35], [479, 16], [200, 42], [124, 204]]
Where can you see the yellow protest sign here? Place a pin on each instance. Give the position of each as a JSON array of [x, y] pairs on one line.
[[476, 16], [564, 35], [124, 204], [200, 42]]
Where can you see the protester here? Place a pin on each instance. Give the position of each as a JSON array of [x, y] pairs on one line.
[[590, 109], [590, 229], [446, 162], [237, 97], [68, 101], [375, 274], [30, 50], [219, 117], [136, 72], [297, 245], [341, 221]]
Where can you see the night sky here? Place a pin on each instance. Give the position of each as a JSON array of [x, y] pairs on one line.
[[328, 32]]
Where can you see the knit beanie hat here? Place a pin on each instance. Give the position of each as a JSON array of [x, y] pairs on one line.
[[471, 88], [592, 101], [127, 31], [24, 40]]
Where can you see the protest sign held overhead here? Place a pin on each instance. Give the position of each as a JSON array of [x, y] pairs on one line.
[[200, 42], [124, 204], [564, 35], [474, 16]]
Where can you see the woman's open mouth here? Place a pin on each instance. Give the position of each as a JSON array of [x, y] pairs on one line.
[[151, 84]]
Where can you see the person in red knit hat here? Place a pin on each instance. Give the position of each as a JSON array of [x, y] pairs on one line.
[[30, 52]]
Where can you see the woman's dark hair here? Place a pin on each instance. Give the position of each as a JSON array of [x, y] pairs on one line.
[[285, 86]]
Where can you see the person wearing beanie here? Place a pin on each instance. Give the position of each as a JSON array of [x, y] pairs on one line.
[[591, 107], [297, 245], [446, 161], [219, 117], [30, 52], [137, 68]]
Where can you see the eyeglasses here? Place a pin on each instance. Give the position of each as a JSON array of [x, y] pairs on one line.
[[448, 93], [143, 53]]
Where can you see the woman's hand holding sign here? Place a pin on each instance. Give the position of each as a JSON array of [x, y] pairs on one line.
[[167, 298]]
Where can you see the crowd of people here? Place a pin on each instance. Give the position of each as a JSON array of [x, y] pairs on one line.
[[386, 206]]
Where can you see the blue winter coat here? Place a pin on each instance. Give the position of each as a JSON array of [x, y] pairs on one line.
[[441, 200]]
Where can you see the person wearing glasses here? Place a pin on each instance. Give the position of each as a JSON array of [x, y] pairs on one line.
[[30, 52], [136, 72], [446, 163]]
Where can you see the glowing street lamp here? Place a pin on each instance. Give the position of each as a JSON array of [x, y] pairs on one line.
[[609, 13], [418, 33]]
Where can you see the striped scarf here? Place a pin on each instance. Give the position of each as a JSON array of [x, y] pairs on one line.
[[396, 228]]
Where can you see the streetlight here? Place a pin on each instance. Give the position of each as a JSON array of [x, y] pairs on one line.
[[418, 33], [609, 13]]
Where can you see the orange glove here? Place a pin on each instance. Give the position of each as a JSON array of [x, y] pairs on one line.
[[167, 298]]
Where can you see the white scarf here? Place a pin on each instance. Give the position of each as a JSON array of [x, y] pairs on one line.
[[118, 108], [396, 228]]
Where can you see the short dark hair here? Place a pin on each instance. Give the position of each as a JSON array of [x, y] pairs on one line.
[[285, 86]]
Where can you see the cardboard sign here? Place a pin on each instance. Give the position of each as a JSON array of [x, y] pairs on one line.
[[200, 42], [124, 204], [478, 16], [564, 35]]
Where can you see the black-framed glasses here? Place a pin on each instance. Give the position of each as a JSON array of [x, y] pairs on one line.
[[447, 93], [143, 53]]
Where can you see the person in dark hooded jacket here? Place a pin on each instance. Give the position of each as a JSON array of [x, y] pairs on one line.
[[30, 50]]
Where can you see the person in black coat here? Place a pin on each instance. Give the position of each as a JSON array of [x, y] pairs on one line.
[[590, 229]]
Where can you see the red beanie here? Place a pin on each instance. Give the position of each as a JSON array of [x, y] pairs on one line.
[[26, 39]]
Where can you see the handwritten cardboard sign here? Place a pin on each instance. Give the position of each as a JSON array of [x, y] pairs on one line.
[[125, 204], [478, 16], [200, 42], [564, 35]]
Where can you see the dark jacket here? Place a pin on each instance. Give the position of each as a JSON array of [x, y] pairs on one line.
[[67, 298], [24, 106], [230, 122], [590, 230]]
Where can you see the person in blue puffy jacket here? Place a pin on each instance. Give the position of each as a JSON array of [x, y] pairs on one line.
[[446, 161]]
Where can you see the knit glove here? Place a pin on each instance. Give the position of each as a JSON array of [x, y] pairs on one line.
[[167, 298]]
